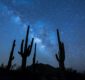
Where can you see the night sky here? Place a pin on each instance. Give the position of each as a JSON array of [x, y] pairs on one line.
[[44, 17]]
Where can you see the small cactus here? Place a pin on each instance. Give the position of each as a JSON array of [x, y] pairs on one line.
[[11, 57], [34, 58], [25, 50], [61, 53]]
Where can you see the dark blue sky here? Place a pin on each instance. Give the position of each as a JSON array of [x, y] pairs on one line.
[[44, 17]]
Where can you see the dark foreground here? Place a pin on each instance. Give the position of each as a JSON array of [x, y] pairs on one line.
[[42, 72]]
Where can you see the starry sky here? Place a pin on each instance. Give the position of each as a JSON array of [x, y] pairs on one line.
[[44, 17]]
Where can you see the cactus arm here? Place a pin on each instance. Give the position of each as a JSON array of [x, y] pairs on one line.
[[30, 47], [20, 53], [31, 43], [26, 40], [57, 57], [21, 49]]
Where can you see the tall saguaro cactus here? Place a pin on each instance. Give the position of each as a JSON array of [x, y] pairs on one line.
[[25, 50], [34, 58], [61, 53], [11, 57]]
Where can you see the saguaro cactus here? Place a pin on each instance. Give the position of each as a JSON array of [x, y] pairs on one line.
[[61, 53], [34, 58], [25, 50], [11, 57]]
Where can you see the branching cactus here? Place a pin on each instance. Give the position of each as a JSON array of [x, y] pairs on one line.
[[34, 58], [61, 53], [25, 50], [11, 57]]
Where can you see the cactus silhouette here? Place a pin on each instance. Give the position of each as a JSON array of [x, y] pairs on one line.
[[34, 58], [25, 50], [61, 53], [11, 57]]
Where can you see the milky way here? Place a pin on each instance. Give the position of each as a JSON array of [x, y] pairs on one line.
[[44, 17]]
